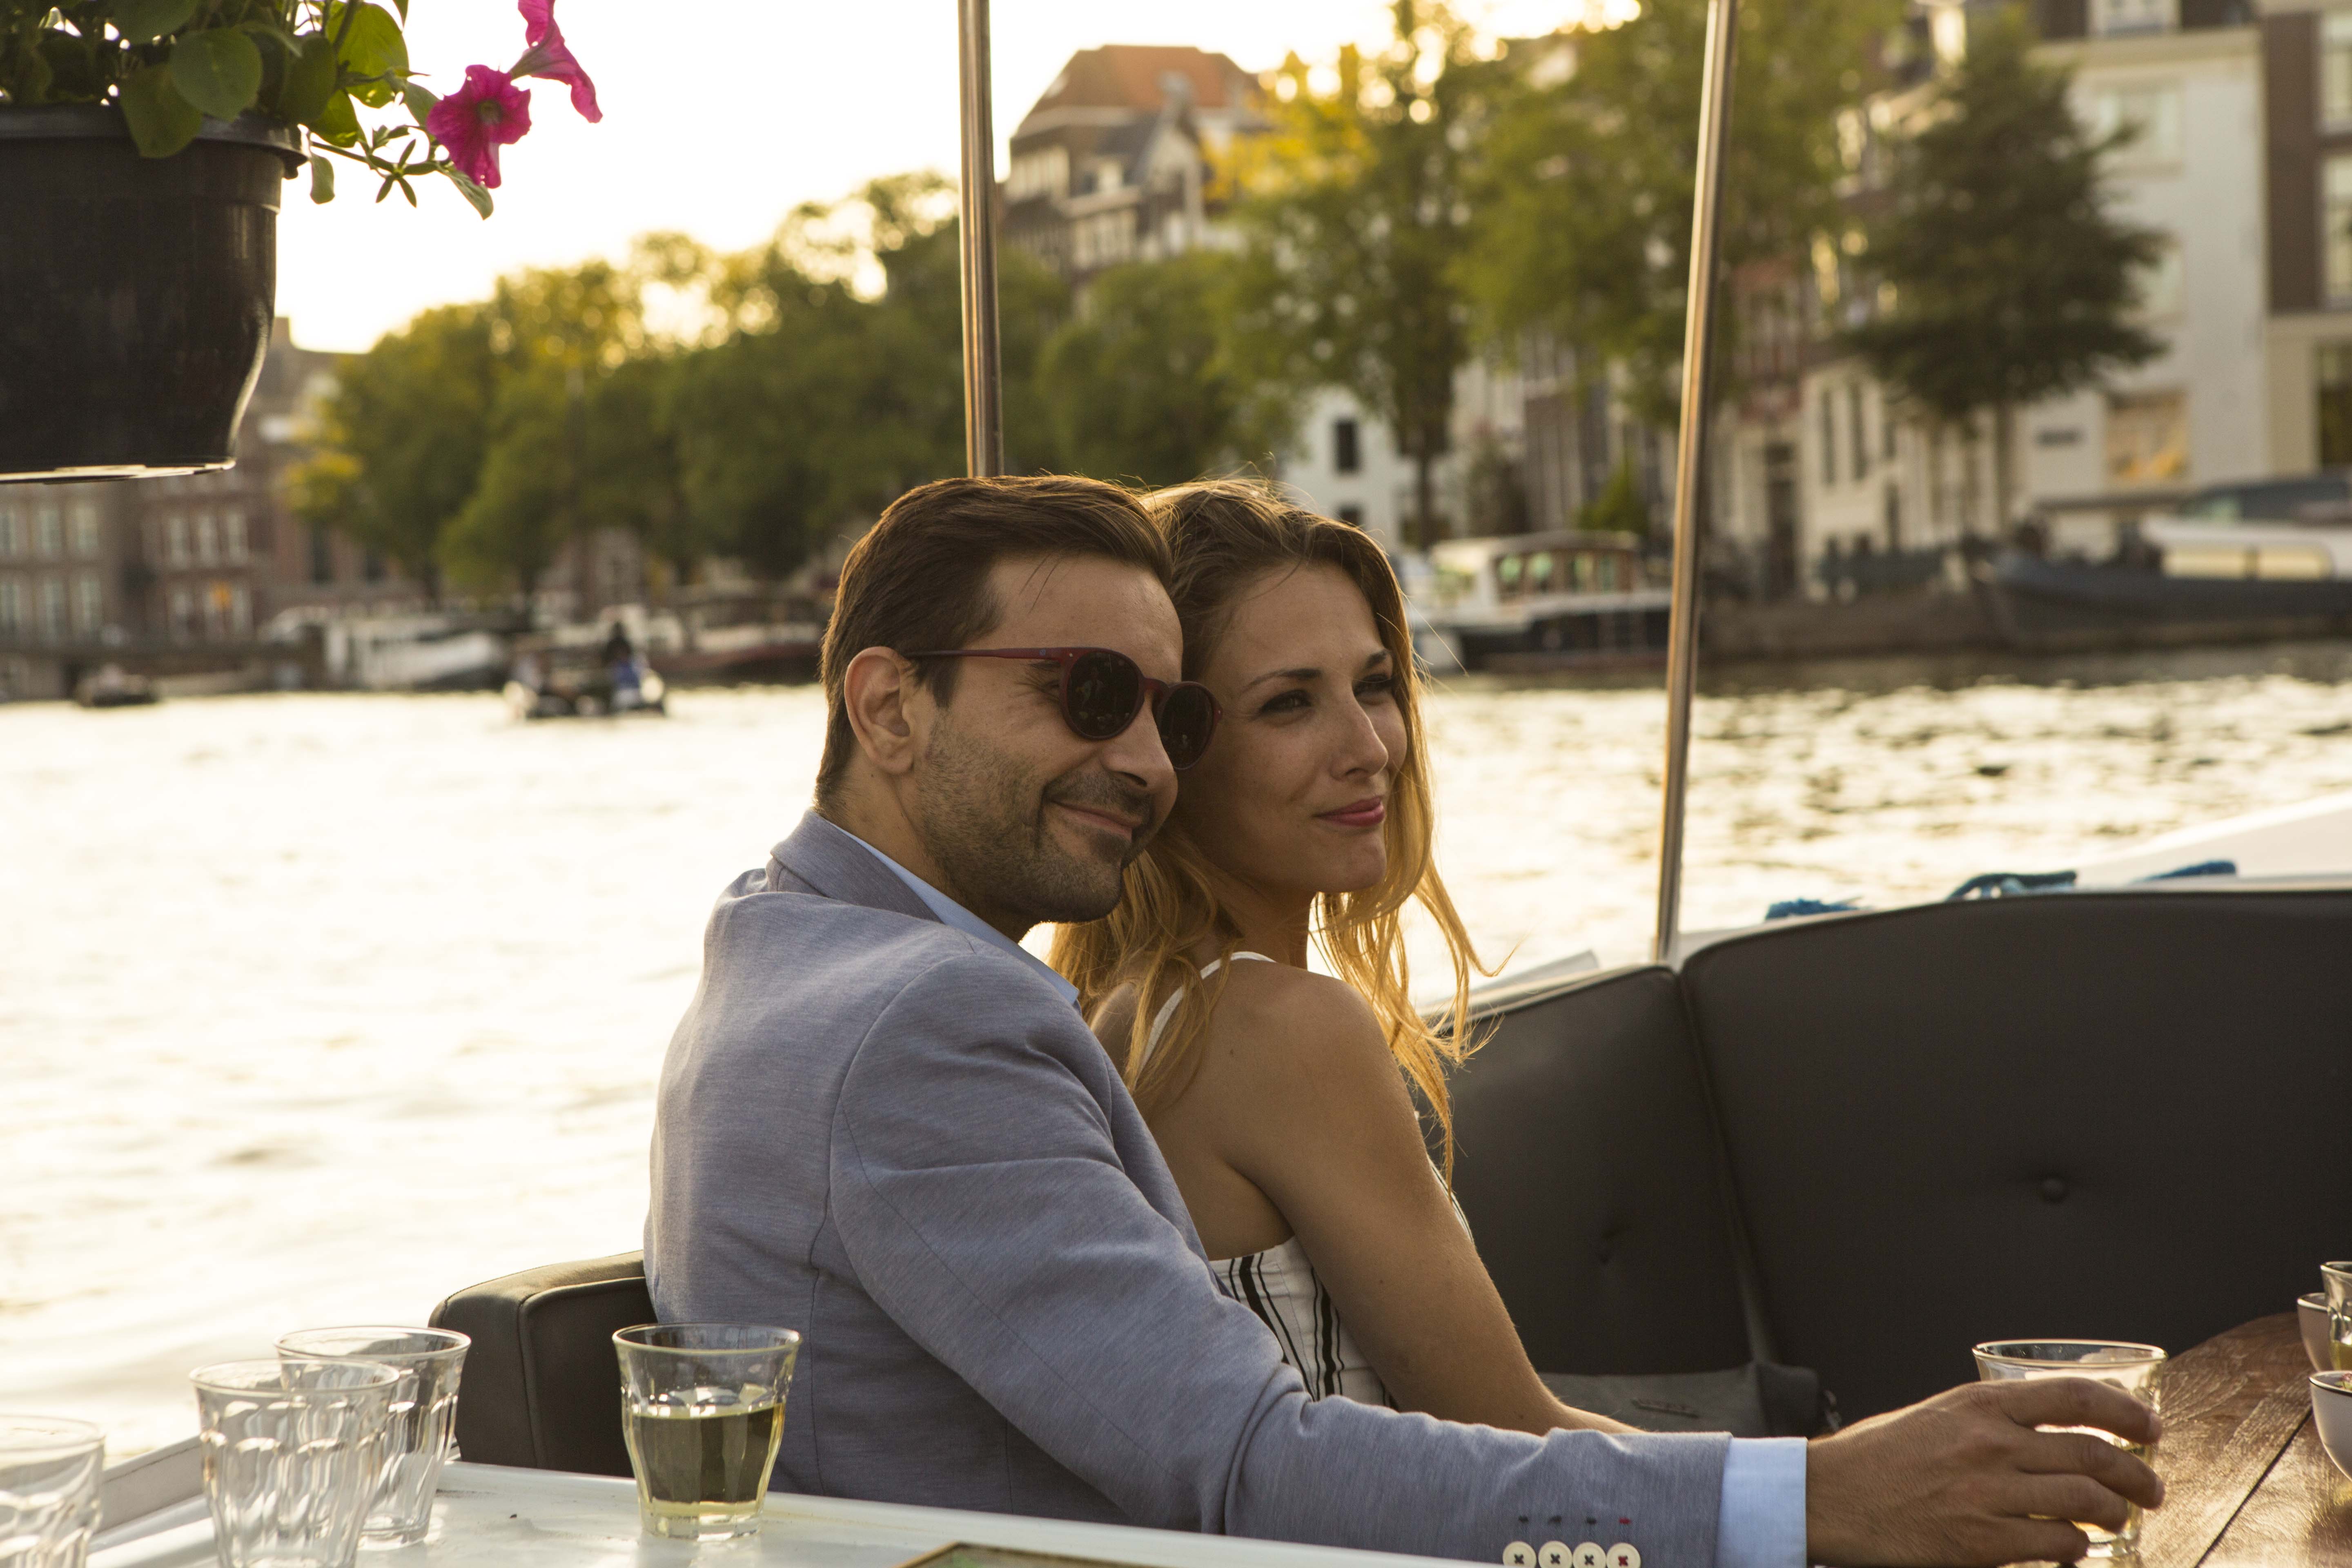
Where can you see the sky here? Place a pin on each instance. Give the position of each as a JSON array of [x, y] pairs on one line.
[[722, 115]]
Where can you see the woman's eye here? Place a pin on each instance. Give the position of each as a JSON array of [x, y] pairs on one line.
[[1378, 686], [1286, 702]]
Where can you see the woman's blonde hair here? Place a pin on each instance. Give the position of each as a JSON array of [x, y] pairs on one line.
[[1226, 535]]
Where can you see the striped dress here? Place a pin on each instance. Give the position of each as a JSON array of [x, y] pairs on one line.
[[1280, 1285]]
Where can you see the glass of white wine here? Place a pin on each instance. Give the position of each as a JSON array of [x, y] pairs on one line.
[[2338, 1277], [2136, 1369], [702, 1407]]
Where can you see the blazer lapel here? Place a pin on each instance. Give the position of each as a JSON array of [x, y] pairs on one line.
[[835, 864]]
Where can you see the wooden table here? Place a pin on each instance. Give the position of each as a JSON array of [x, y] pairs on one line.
[[2246, 1481]]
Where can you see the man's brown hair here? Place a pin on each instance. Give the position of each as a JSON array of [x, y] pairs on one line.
[[919, 579]]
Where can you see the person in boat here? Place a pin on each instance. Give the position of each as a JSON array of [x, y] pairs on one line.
[[1280, 1098], [884, 1124]]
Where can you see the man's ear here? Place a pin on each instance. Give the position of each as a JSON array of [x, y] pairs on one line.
[[879, 693]]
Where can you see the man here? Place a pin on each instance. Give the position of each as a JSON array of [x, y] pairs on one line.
[[883, 1123]]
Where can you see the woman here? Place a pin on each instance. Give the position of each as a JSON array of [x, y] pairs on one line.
[[1278, 1095]]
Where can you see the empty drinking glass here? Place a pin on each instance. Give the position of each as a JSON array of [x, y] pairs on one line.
[[2137, 1370], [291, 1450], [430, 1361], [49, 1490], [702, 1407], [2338, 1277]]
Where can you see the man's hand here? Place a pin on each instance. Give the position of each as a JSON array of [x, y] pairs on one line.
[[1964, 1480]]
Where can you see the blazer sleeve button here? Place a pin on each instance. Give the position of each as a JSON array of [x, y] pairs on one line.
[[1623, 1555], [1518, 1554]]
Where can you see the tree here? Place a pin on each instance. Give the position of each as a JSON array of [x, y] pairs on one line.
[[1356, 221], [1585, 175], [402, 438], [1144, 384], [2011, 278]]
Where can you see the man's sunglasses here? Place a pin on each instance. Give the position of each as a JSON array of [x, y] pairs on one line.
[[1103, 690]]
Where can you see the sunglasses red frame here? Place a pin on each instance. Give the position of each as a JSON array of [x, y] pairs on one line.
[[1150, 691]]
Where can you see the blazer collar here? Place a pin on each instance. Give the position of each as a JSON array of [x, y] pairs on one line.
[[831, 863]]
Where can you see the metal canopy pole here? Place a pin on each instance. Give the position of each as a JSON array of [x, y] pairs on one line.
[[1690, 460], [984, 408]]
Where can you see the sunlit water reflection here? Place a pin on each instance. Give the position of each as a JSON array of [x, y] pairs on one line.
[[314, 1007]]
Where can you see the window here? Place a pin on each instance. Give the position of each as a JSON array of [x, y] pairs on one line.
[[49, 531], [2336, 224], [2334, 390], [215, 611], [12, 608], [1887, 429], [372, 570], [53, 609], [232, 534], [2148, 113], [207, 538], [2147, 438], [184, 613], [2160, 285], [1041, 174], [9, 545], [2335, 68], [240, 610], [1829, 439], [322, 555], [1103, 240], [85, 529], [1856, 436], [1346, 446], [89, 604], [2109, 17], [1353, 516], [177, 527]]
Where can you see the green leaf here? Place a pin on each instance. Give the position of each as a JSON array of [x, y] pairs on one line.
[[141, 21], [338, 122], [420, 101], [218, 70], [323, 178], [403, 5], [70, 66], [309, 79], [470, 191], [373, 47], [161, 121]]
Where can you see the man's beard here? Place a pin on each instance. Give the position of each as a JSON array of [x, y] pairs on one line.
[[984, 824]]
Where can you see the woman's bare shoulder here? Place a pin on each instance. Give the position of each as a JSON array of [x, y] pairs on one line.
[[1272, 1021]]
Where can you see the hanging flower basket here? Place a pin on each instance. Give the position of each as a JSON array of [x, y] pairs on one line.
[[135, 293], [143, 144]]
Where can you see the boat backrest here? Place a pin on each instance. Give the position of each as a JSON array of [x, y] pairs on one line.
[[1587, 1167], [2105, 1115], [542, 1385]]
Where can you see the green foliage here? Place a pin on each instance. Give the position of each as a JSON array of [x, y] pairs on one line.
[[1584, 176], [1145, 384], [1619, 508], [168, 64], [401, 441], [2011, 281], [1358, 222]]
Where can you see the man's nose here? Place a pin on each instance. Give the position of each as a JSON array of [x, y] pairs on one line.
[[1136, 752]]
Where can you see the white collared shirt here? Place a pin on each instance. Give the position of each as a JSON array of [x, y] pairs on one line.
[[951, 913]]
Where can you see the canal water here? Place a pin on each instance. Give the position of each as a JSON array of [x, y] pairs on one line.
[[314, 1007]]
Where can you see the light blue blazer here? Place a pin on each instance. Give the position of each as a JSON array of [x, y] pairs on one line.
[[901, 1142]]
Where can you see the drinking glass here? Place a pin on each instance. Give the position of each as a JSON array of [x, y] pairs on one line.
[[430, 1361], [2338, 1277], [49, 1490], [292, 1452], [2137, 1370], [703, 1410]]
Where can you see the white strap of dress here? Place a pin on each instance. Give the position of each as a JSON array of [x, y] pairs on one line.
[[1168, 1008]]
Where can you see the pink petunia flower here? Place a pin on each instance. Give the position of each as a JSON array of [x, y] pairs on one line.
[[473, 123], [550, 57]]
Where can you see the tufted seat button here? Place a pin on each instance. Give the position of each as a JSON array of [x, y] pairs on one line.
[[2054, 1189]]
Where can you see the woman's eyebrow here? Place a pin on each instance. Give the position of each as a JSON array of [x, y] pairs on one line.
[[1302, 674]]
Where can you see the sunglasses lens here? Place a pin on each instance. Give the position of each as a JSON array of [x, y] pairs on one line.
[[1101, 693], [1188, 717]]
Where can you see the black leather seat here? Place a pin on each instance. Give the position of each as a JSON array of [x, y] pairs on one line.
[[542, 1386], [2118, 1115]]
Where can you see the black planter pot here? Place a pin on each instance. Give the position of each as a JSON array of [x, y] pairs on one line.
[[135, 293]]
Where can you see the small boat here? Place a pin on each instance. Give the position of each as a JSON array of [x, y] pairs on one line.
[[553, 680], [2265, 558], [113, 687], [1534, 600]]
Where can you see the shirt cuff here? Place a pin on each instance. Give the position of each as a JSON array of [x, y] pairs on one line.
[[1761, 1523]]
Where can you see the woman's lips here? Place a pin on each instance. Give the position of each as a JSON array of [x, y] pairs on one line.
[[1362, 814]]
